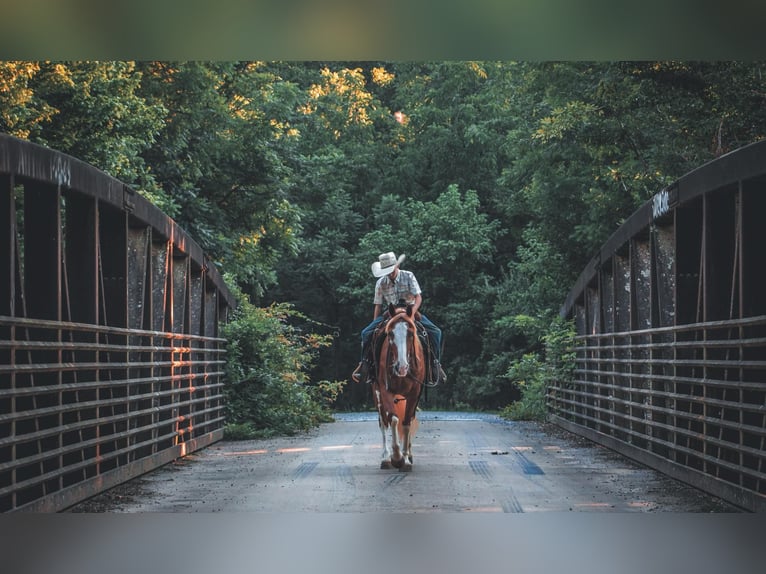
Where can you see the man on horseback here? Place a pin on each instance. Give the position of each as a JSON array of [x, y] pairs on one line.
[[395, 285]]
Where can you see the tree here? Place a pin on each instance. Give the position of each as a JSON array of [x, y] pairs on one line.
[[294, 176], [21, 111], [269, 390], [91, 110], [217, 160]]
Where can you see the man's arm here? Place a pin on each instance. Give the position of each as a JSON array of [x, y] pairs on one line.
[[376, 312], [416, 303]]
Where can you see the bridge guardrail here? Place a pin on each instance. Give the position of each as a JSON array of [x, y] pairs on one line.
[[671, 333], [85, 405], [110, 359]]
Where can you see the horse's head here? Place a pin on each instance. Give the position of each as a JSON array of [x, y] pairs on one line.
[[402, 339]]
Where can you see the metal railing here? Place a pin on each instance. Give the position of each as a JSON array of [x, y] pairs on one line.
[[671, 334], [691, 396], [86, 402], [110, 359]]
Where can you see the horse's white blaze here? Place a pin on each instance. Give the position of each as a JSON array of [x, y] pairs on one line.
[[402, 365]]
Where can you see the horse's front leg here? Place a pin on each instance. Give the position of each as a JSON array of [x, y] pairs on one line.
[[385, 459], [407, 447], [397, 460]]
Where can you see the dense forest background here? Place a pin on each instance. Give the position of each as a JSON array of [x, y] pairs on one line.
[[498, 180]]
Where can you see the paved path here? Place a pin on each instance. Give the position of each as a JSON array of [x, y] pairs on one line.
[[462, 463]]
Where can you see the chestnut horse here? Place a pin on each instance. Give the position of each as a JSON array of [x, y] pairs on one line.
[[401, 373]]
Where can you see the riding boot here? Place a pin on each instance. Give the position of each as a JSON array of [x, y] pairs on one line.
[[365, 370]]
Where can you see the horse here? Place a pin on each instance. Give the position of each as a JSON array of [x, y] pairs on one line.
[[401, 375]]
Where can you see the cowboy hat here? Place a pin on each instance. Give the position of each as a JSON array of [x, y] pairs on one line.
[[386, 263]]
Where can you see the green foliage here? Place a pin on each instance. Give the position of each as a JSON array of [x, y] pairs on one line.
[[499, 180], [269, 390], [246, 431], [221, 158], [534, 372], [528, 374], [91, 110], [21, 110]]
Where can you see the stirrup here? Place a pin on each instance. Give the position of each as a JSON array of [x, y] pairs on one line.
[[437, 373], [362, 372], [356, 376]]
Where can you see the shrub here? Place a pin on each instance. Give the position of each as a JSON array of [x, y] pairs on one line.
[[268, 360], [528, 375], [533, 373]]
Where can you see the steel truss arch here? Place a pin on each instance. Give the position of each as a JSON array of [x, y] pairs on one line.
[[111, 362], [670, 317]]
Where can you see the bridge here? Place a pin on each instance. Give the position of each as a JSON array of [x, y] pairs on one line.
[[670, 318], [111, 362], [110, 357]]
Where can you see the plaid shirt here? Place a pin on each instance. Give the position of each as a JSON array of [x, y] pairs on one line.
[[404, 287]]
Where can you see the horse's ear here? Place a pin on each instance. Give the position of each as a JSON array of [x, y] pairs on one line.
[[391, 309], [409, 310]]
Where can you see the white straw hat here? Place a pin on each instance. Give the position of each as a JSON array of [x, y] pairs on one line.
[[386, 263]]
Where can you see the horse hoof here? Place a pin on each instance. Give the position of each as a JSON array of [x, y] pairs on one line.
[[406, 467], [385, 464], [398, 463]]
